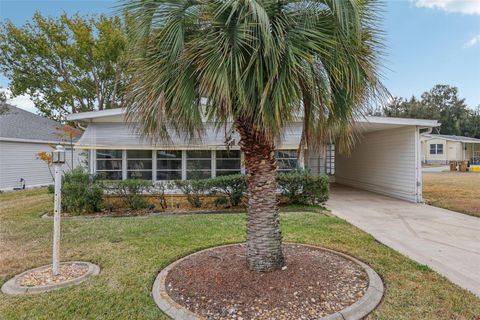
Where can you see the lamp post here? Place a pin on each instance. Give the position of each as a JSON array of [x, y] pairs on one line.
[[58, 159]]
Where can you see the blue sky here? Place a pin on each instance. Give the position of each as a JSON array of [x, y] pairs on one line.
[[428, 41]]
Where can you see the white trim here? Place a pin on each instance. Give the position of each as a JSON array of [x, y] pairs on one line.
[[95, 114], [36, 141], [380, 120], [124, 164], [154, 166], [213, 165], [399, 121], [418, 167], [184, 164]]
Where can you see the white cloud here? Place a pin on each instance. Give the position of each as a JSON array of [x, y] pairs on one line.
[[23, 102], [460, 6], [473, 41]]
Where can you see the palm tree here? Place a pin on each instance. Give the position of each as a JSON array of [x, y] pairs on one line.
[[257, 65]]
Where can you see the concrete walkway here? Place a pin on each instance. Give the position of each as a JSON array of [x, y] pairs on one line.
[[446, 241]]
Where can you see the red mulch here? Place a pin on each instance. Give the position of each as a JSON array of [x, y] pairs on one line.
[[218, 285]]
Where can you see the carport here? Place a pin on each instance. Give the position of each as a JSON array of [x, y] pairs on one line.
[[386, 158]]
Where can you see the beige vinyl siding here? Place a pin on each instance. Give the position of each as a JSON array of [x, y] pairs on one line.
[[384, 162], [19, 160], [426, 156], [454, 151]]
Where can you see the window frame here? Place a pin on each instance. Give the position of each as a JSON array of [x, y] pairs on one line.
[[233, 171], [187, 159], [128, 171], [439, 150], [296, 158], [157, 159], [97, 159], [436, 148]]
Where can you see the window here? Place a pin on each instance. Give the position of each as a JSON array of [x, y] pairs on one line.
[[439, 148], [227, 162], [109, 164], [139, 164], [330, 159], [169, 165], [199, 164], [286, 160], [436, 148]]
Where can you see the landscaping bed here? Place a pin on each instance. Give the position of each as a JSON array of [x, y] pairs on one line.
[[44, 276], [217, 284]]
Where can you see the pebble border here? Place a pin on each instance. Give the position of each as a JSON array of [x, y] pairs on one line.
[[367, 303], [12, 288]]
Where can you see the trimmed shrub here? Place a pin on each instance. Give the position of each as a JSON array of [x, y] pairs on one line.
[[193, 189], [81, 192], [301, 187], [160, 188], [233, 187], [131, 192]]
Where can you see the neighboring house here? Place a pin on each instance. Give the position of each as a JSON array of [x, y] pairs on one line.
[[441, 148], [386, 159], [22, 136]]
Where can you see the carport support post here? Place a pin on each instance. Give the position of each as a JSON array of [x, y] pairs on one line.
[[58, 159]]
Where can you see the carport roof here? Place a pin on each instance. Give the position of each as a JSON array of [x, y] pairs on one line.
[[369, 124]]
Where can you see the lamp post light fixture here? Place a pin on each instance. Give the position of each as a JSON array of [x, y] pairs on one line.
[[58, 159]]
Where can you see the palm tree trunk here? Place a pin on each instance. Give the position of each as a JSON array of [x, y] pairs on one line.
[[264, 239]]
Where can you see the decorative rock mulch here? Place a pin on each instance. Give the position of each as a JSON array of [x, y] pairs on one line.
[[217, 284], [44, 276], [41, 279]]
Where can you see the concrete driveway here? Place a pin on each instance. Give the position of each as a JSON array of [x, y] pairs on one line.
[[436, 169], [446, 241]]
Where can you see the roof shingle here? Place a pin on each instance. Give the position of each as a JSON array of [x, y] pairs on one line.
[[16, 123]]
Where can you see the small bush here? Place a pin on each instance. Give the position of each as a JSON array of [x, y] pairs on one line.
[[301, 187], [131, 192], [160, 189], [81, 192], [221, 201], [193, 189], [233, 187]]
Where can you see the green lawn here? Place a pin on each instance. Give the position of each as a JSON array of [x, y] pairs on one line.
[[131, 251]]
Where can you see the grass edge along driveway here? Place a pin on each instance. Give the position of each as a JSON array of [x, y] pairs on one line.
[[131, 252]]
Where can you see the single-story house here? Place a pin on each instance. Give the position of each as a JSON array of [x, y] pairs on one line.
[[23, 135], [386, 159], [442, 148]]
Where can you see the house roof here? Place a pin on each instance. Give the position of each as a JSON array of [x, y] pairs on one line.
[[19, 125], [452, 138], [117, 115]]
